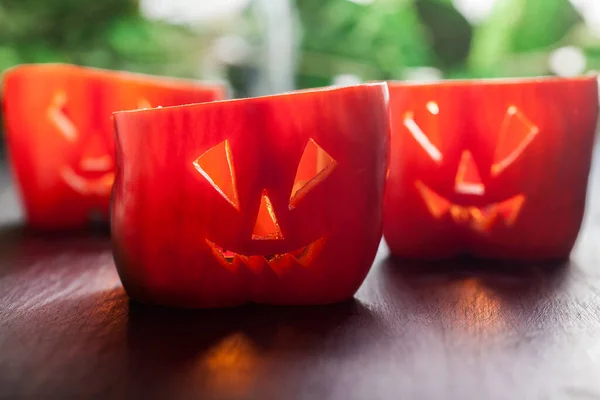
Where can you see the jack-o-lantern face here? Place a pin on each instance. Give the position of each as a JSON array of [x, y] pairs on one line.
[[491, 169], [273, 200], [217, 167], [516, 133], [60, 134], [89, 163]]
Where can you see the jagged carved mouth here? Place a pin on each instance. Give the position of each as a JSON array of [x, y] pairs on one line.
[[480, 219], [302, 255], [88, 186]]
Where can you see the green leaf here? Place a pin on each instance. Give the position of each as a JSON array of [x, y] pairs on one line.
[[519, 26], [450, 32], [8, 58], [492, 39], [543, 23], [375, 41]]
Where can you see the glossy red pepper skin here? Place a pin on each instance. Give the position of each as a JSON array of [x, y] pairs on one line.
[[298, 221], [491, 169], [60, 134]]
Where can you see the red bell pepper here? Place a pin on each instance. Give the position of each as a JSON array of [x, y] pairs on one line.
[[492, 169], [273, 200], [60, 137]]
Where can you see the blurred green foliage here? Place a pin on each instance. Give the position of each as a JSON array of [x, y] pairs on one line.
[[385, 38], [106, 34], [520, 34], [380, 40], [373, 42]]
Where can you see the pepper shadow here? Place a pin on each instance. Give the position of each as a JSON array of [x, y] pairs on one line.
[[504, 277], [22, 247], [499, 298], [222, 352]]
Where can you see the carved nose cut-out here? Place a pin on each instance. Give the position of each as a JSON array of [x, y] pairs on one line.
[[468, 180], [266, 226]]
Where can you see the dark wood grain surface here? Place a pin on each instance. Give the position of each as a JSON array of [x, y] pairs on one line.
[[455, 330]]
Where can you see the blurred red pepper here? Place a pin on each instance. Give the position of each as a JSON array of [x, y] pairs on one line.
[[60, 137], [492, 169]]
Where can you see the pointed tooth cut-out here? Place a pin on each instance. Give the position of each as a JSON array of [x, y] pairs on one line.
[[228, 262], [310, 253], [216, 166], [468, 180], [460, 214], [283, 265], [58, 116], [266, 226], [255, 264], [101, 186], [482, 220], [75, 181], [422, 138], [516, 133], [314, 166], [510, 209], [237, 264], [436, 204]]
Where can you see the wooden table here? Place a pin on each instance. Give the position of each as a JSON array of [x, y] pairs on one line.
[[446, 331]]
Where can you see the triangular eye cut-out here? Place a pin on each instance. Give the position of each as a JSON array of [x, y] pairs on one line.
[[468, 180], [60, 119], [420, 136], [266, 226], [516, 133], [315, 165], [216, 166]]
